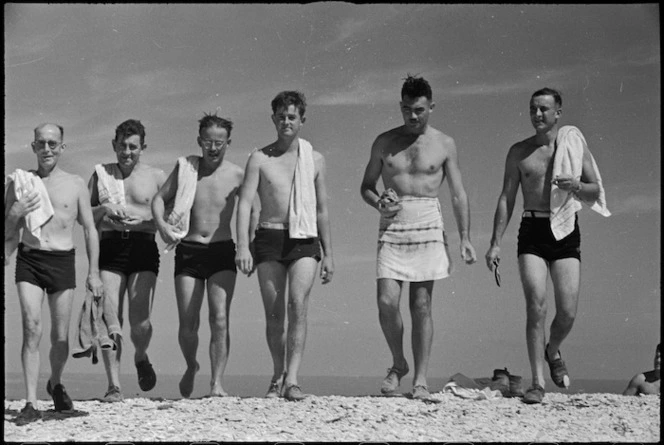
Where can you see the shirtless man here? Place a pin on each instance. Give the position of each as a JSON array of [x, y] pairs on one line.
[[280, 256], [646, 382], [129, 257], [205, 258], [530, 164], [413, 160], [47, 263]]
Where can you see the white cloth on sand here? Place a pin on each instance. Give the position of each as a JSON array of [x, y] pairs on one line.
[[472, 393], [110, 184], [411, 244], [302, 212], [178, 217], [25, 182], [568, 161]]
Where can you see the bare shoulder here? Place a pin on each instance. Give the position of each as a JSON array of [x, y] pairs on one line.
[[76, 182], [438, 137], [388, 136], [520, 148], [234, 170], [155, 172]]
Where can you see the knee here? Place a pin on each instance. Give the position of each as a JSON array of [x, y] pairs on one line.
[[536, 311], [297, 309], [218, 322], [387, 304], [420, 308], [32, 331], [566, 315], [141, 329]]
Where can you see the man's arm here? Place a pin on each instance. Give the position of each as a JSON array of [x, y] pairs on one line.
[[323, 221], [158, 206], [372, 173], [243, 258], [634, 385], [86, 220], [16, 209], [505, 206], [586, 187], [459, 202]]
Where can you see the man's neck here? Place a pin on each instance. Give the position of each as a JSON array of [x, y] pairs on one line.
[[43, 172], [206, 168], [547, 137], [126, 171]]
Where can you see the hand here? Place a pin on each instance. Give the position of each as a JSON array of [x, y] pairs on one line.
[[388, 210], [94, 284], [29, 202], [326, 269], [244, 260], [467, 252], [492, 257], [132, 221], [567, 183], [115, 212], [166, 233]]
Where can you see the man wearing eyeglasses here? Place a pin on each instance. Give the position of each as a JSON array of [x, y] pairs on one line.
[[129, 257], [46, 261], [205, 257]]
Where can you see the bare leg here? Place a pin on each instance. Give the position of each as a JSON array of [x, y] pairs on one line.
[[189, 295], [534, 272], [566, 277], [60, 304], [272, 281], [114, 289], [31, 298], [140, 295], [220, 288], [389, 315], [422, 335], [301, 275]]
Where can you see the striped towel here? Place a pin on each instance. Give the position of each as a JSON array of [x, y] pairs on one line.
[[568, 161], [302, 212], [110, 184]]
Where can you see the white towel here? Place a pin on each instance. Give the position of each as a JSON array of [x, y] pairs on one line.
[[568, 161], [178, 217], [25, 182], [302, 206], [472, 393], [110, 184]]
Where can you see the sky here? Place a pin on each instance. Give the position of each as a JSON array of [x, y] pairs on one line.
[[90, 67]]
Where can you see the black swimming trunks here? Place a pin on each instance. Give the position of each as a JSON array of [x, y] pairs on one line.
[[535, 237], [276, 245], [128, 252], [200, 260], [651, 376], [53, 271]]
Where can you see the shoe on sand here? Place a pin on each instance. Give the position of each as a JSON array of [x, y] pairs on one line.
[[113, 395], [294, 393], [516, 388], [61, 399], [501, 382], [393, 379], [420, 392], [558, 369], [273, 392], [146, 376], [28, 414], [535, 394]]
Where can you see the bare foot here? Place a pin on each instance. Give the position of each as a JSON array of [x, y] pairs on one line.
[[218, 392], [187, 381]]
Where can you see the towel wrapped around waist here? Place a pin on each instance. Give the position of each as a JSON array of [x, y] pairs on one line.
[[411, 245]]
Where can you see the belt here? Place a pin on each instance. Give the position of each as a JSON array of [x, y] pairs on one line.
[[127, 234], [272, 225], [535, 214]]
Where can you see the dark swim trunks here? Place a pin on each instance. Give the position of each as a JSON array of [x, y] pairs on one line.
[[535, 237], [276, 245], [651, 376], [200, 260], [128, 252], [53, 271]]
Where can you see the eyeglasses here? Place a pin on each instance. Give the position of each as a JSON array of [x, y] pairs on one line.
[[51, 144], [207, 143], [496, 274]]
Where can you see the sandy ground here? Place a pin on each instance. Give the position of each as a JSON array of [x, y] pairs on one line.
[[561, 418]]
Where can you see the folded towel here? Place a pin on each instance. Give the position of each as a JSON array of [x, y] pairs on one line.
[[110, 184], [98, 327], [25, 182], [568, 161], [302, 211], [178, 217], [472, 393]]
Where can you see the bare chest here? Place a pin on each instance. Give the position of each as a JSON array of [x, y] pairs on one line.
[[213, 193], [537, 166], [413, 159], [139, 190]]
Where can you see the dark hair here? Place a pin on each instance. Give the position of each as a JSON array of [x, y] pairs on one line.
[[549, 92], [415, 87], [212, 120], [62, 130], [130, 128], [287, 98]]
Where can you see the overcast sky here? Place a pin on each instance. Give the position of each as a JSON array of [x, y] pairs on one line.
[[90, 67]]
